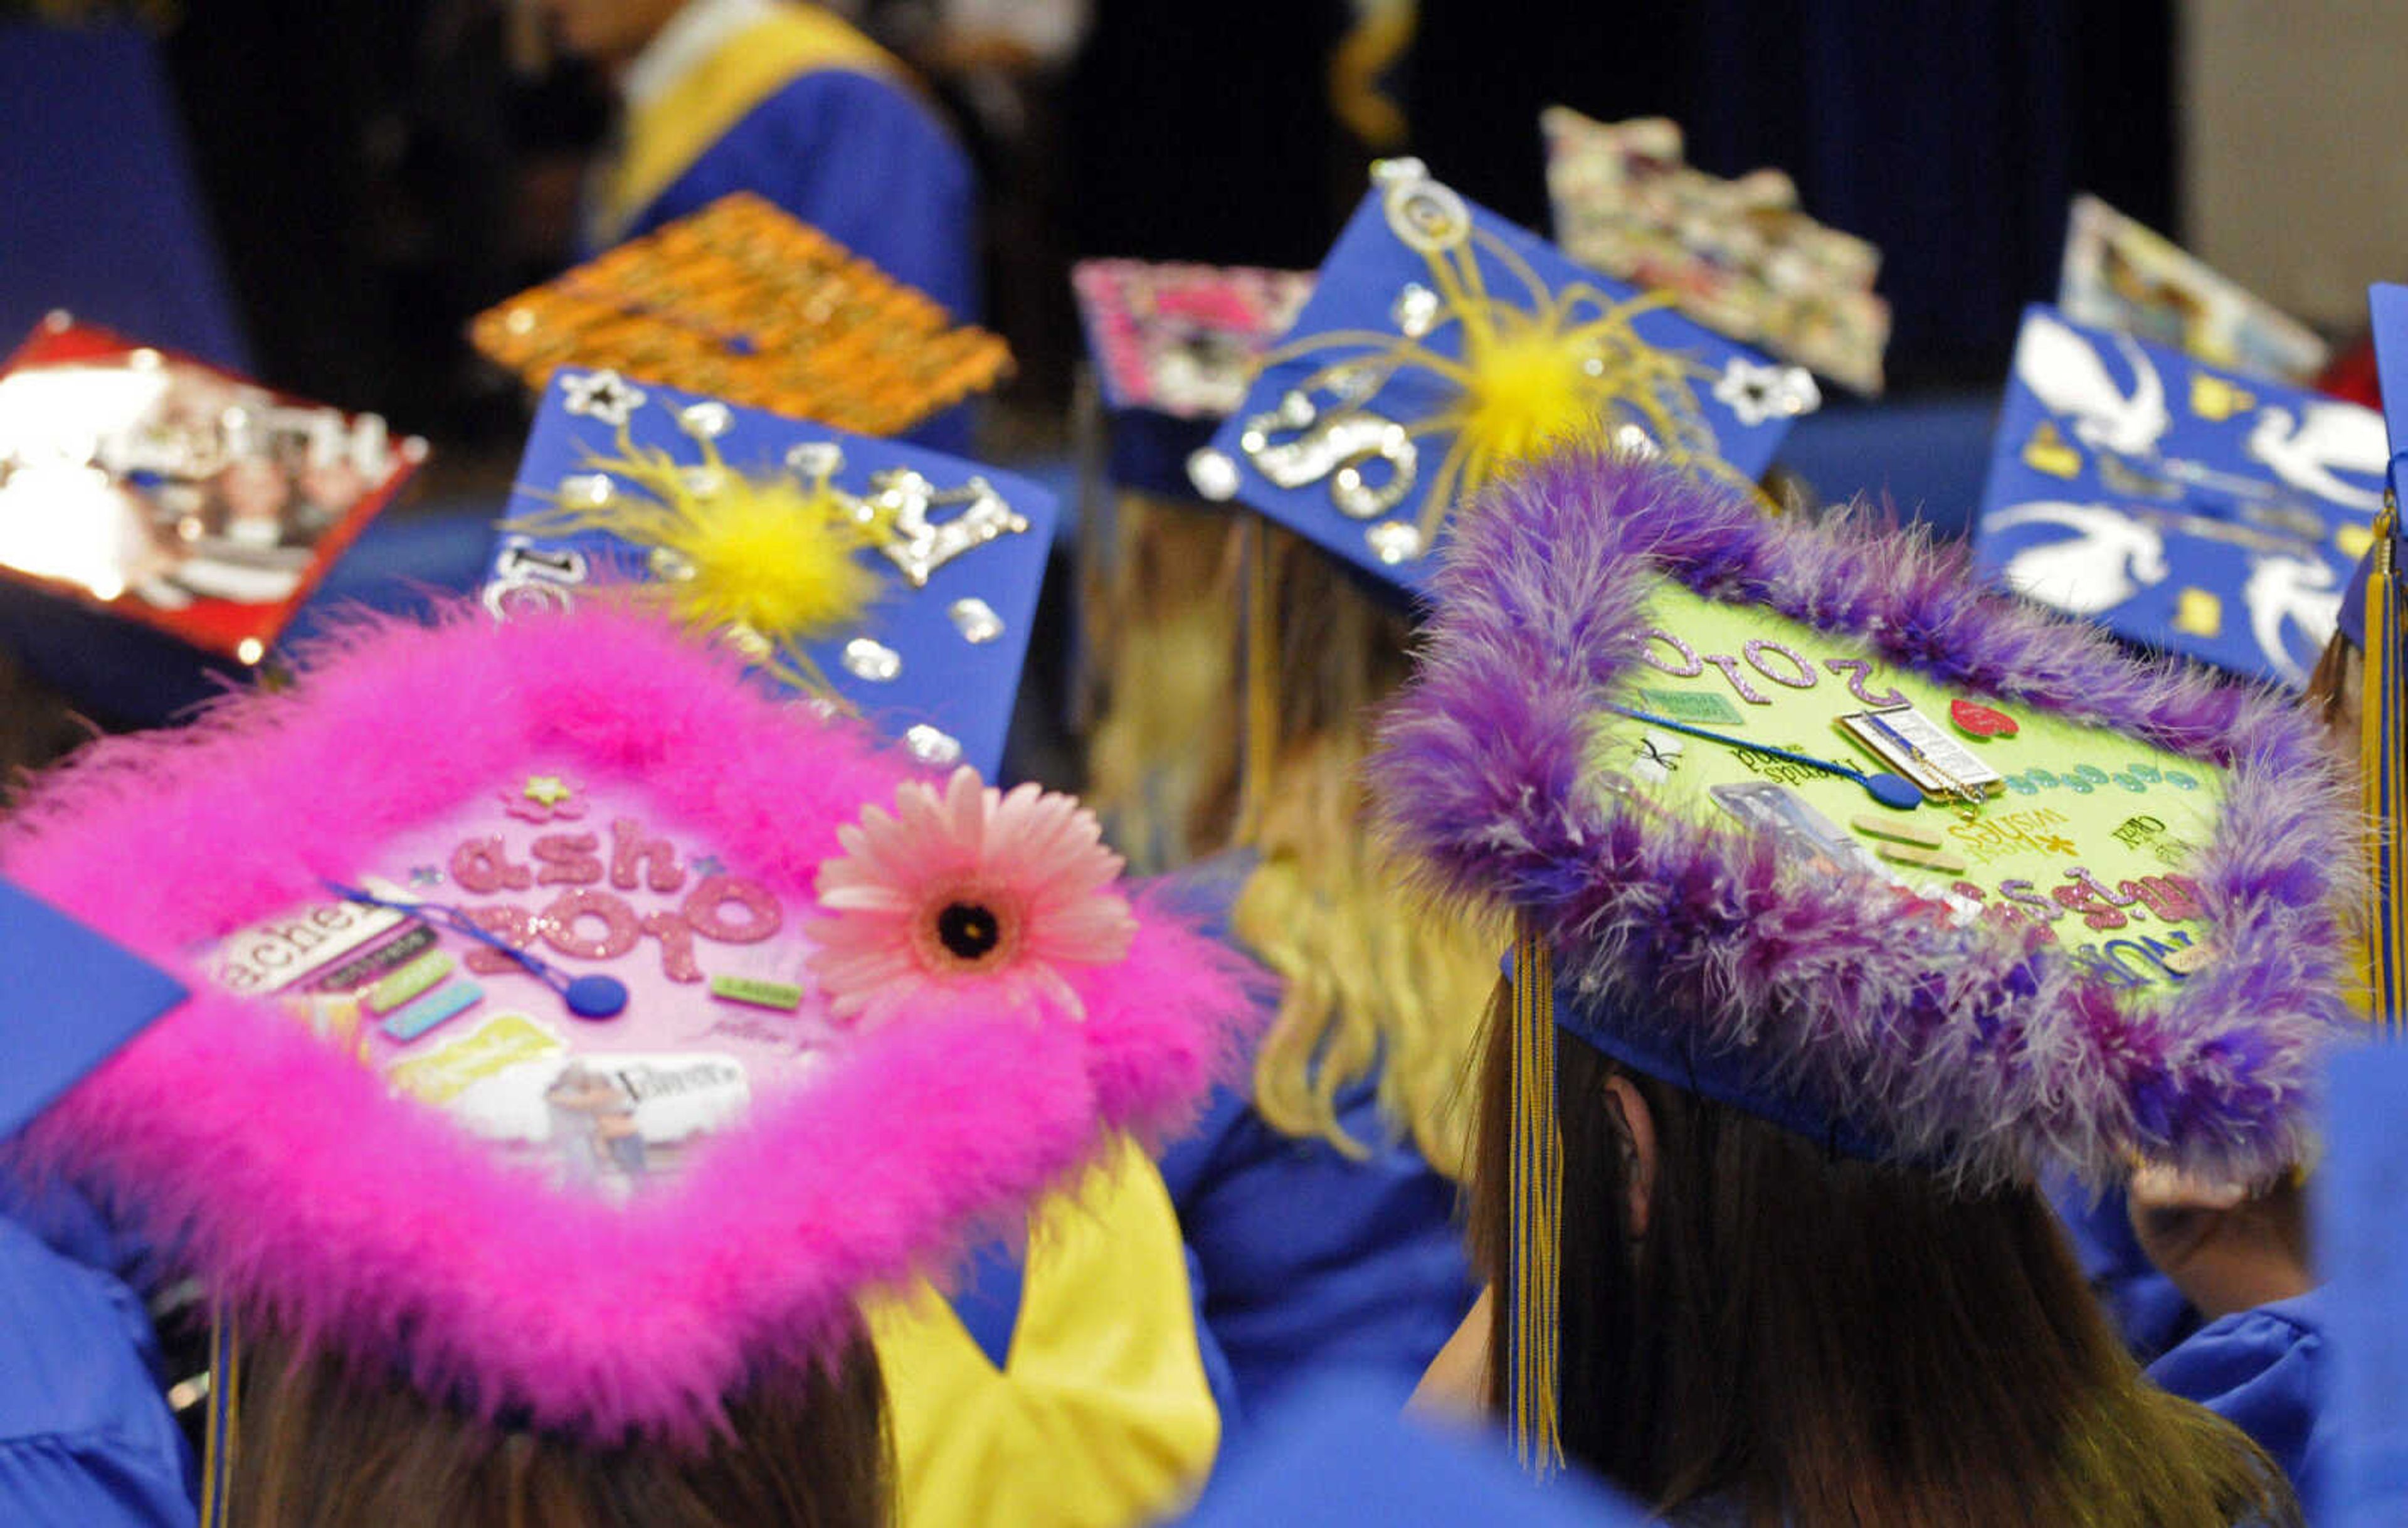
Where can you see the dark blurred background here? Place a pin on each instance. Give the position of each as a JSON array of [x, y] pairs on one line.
[[321, 194], [371, 175]]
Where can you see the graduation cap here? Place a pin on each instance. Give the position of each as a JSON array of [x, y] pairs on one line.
[[892, 579], [69, 996], [176, 494], [742, 302], [577, 1027], [1174, 348], [2184, 507], [1743, 258], [1801, 819], [2120, 274], [1442, 345]]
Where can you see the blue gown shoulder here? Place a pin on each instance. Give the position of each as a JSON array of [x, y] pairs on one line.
[[85, 1434], [1312, 1262], [2265, 1371]]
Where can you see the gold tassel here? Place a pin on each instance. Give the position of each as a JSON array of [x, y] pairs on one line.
[[1536, 1188], [217, 1459], [2383, 772], [1262, 684]]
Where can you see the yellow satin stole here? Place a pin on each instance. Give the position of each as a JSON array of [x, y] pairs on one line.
[[670, 132], [1101, 1416]]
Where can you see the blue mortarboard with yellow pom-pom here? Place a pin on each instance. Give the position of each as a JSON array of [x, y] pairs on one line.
[[2185, 507], [1442, 344], [884, 577]]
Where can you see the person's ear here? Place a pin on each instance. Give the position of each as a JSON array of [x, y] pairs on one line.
[[1638, 1130]]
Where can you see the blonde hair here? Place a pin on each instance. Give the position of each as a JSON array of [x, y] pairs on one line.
[[1375, 981]]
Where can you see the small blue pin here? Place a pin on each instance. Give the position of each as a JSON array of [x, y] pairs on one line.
[[594, 997]]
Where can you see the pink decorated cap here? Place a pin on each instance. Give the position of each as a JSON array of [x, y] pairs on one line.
[[581, 1028]]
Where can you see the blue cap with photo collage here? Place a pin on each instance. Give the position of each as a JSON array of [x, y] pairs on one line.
[[1440, 345], [2184, 507], [884, 576]]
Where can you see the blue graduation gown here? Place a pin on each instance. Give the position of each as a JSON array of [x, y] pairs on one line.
[[2264, 1371], [1311, 1263], [85, 1434]]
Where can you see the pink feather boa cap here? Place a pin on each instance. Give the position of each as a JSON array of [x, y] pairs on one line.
[[311, 1199]]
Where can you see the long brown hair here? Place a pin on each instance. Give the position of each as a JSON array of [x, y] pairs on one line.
[[322, 1441], [1824, 1341]]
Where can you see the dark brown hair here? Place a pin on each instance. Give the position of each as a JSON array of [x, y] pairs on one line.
[[1826, 1341], [322, 1441]]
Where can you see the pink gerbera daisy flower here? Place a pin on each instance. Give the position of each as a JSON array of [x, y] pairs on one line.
[[969, 886]]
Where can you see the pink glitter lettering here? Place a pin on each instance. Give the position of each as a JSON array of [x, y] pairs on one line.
[[568, 859], [630, 848], [558, 925], [482, 866], [703, 905]]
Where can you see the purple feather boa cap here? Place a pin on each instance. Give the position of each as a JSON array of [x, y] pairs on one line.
[[1972, 1050]]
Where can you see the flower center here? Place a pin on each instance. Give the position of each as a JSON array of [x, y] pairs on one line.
[[968, 931]]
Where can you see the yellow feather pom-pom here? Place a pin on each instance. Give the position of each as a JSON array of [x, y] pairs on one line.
[[771, 561]]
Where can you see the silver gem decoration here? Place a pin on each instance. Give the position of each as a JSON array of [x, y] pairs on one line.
[[1294, 411], [1415, 310], [703, 480], [1756, 391], [587, 490], [1394, 541], [669, 564], [748, 640], [1631, 440], [605, 396], [1358, 498], [1425, 216], [1215, 473], [932, 745], [872, 660], [818, 460], [706, 421], [920, 545], [975, 619]]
